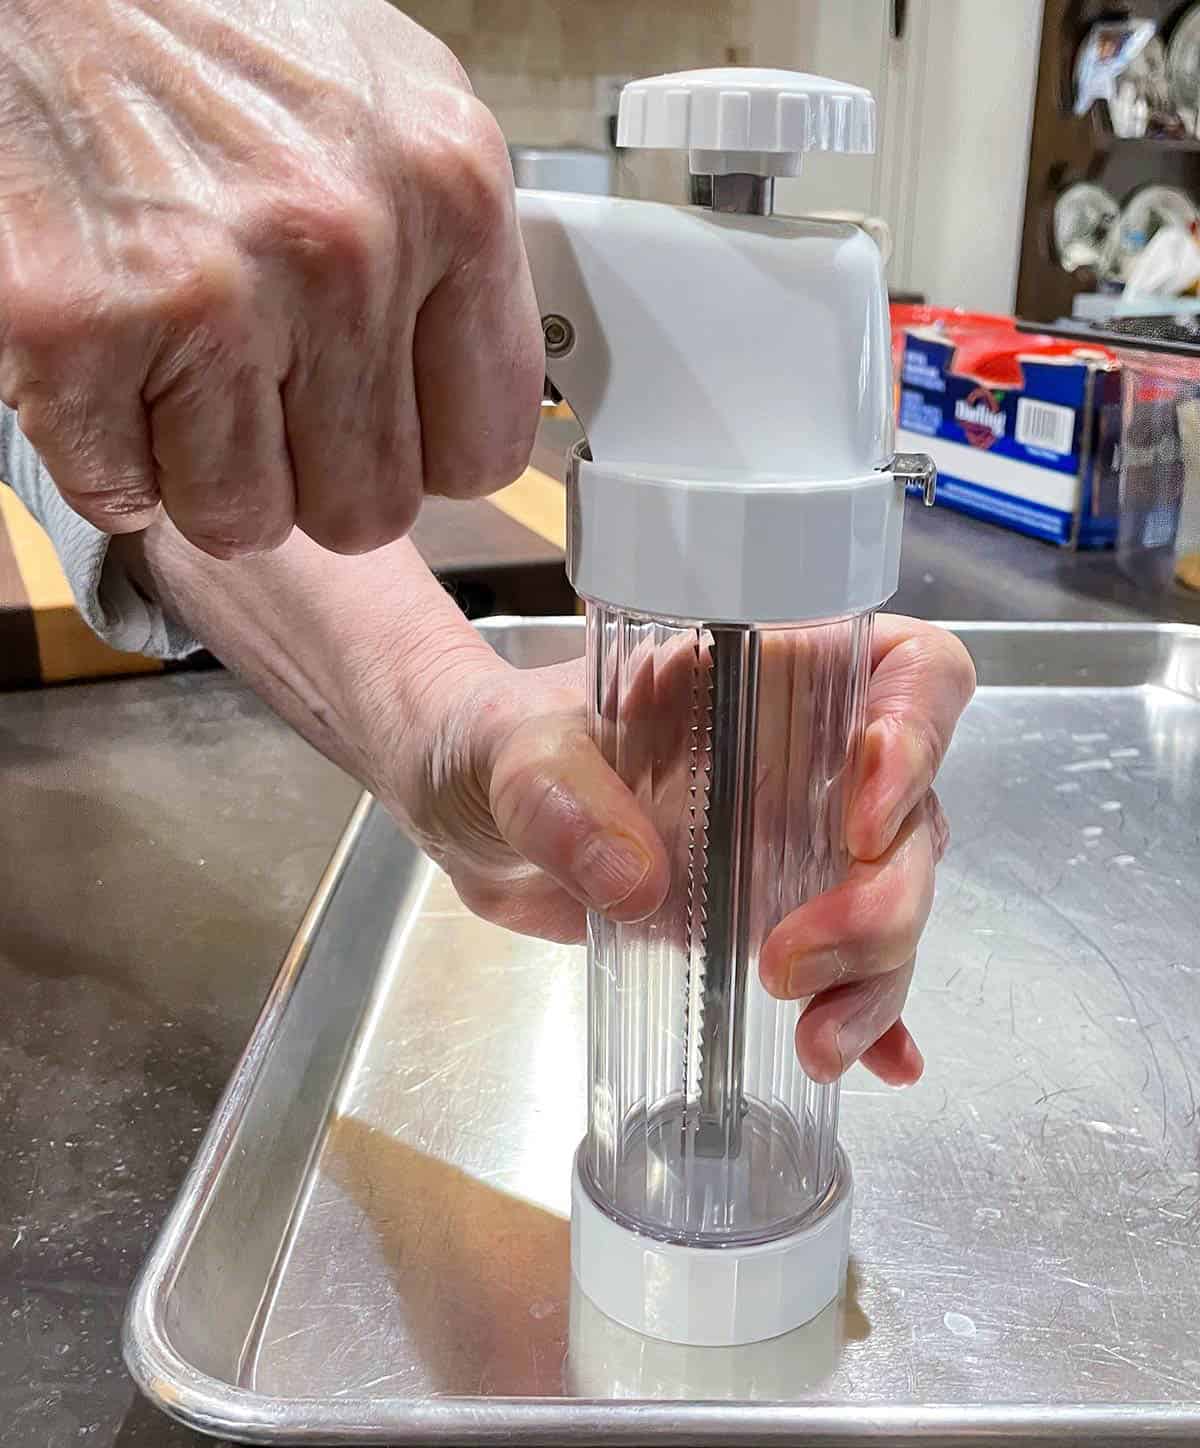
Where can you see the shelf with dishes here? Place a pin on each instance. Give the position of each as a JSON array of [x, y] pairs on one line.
[[1143, 79], [1111, 238]]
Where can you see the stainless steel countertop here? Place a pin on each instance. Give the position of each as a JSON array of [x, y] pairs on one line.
[[159, 840], [372, 1244], [957, 568]]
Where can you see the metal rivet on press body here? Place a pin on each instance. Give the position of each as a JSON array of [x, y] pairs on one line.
[[558, 335]]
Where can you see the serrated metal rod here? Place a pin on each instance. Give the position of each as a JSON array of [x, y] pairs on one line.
[[727, 872], [697, 826]]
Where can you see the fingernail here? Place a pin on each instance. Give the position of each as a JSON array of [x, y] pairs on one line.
[[610, 869]]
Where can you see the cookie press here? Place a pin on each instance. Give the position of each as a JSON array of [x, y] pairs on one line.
[[734, 522]]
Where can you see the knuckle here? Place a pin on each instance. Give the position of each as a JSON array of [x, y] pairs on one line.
[[342, 524], [890, 918], [106, 492], [529, 791], [343, 233], [115, 498], [958, 664], [939, 827], [225, 525], [449, 67], [103, 484], [521, 795], [226, 544], [220, 543], [465, 163], [36, 324], [484, 898], [49, 421], [921, 745], [927, 747], [469, 461], [474, 474], [508, 461], [521, 902], [116, 507], [478, 897], [207, 288], [906, 926]]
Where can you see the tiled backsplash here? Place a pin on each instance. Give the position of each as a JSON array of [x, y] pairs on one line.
[[535, 62]]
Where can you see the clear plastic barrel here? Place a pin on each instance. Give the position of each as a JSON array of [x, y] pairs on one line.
[[740, 744]]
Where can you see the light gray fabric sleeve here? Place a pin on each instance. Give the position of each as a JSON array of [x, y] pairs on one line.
[[106, 597]]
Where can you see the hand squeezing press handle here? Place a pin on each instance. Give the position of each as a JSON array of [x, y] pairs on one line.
[[734, 520]]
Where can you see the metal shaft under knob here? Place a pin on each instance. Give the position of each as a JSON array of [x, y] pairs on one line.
[[728, 838]]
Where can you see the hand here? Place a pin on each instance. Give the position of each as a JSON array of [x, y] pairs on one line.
[[501, 785], [520, 808], [491, 769], [851, 951], [258, 262]]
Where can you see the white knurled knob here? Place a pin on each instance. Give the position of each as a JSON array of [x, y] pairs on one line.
[[746, 120]]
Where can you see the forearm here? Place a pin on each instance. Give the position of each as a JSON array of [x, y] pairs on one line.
[[358, 654]]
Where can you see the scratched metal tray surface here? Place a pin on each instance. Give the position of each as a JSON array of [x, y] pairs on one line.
[[372, 1244]]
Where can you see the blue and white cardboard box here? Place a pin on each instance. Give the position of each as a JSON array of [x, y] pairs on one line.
[[1040, 457]]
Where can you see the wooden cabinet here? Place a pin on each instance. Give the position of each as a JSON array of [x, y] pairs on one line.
[[1067, 148]]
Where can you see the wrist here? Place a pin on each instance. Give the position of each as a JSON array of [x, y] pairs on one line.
[[367, 656]]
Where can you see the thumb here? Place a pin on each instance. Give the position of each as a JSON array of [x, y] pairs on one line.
[[558, 804]]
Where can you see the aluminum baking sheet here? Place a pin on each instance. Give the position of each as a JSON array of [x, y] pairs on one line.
[[372, 1244]]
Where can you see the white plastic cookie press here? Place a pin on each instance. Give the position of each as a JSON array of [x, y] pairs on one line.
[[734, 522]]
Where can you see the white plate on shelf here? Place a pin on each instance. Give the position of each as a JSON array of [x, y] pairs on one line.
[[1143, 216], [1085, 217], [1183, 67]]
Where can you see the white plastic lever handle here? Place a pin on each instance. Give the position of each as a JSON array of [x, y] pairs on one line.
[[714, 344]]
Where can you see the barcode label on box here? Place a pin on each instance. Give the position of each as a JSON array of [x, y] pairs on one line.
[[1045, 425]]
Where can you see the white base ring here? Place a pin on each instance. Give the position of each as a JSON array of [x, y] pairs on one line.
[[711, 1296]]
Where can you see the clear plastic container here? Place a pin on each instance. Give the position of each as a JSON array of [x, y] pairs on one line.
[[740, 744], [1158, 532]]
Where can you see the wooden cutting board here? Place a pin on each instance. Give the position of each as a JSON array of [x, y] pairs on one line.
[[500, 555]]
